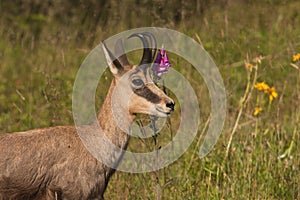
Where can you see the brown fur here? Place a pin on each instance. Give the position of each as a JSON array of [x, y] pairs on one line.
[[49, 163], [53, 163]]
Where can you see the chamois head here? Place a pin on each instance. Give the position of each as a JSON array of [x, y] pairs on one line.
[[135, 89]]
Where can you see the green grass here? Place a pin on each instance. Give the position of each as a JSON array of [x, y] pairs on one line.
[[41, 53]]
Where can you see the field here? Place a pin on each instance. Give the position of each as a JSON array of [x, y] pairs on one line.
[[42, 45]]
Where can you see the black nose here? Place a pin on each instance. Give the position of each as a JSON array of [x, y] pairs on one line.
[[171, 105]]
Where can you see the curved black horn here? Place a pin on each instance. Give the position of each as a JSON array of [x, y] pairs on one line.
[[119, 50], [153, 43], [147, 54]]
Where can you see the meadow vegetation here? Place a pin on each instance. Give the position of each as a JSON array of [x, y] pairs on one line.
[[254, 43]]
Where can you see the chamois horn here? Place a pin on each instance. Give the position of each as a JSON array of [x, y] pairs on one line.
[[153, 43], [147, 54]]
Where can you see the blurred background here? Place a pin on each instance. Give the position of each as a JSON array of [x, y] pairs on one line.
[[43, 43]]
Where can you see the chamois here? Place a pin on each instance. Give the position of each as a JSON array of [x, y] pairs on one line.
[[53, 163]]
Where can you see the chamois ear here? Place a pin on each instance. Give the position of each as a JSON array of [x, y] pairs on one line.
[[119, 50], [114, 64]]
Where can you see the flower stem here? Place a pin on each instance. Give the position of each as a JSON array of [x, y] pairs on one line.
[[243, 102]]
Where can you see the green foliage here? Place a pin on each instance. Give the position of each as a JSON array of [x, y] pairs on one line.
[[43, 43]]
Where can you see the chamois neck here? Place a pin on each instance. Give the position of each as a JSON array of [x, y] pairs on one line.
[[114, 119]]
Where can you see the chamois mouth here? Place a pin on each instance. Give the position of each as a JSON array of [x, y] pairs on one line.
[[162, 113]]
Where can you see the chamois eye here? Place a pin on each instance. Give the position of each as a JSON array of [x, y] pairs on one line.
[[137, 82]]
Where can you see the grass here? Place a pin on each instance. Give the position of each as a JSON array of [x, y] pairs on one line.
[[40, 57]]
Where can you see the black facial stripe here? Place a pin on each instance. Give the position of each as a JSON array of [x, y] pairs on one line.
[[147, 94]]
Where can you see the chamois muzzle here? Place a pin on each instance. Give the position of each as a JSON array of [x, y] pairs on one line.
[[171, 105]]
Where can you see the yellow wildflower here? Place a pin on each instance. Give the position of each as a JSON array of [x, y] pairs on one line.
[[296, 57], [262, 86], [273, 94], [257, 111]]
